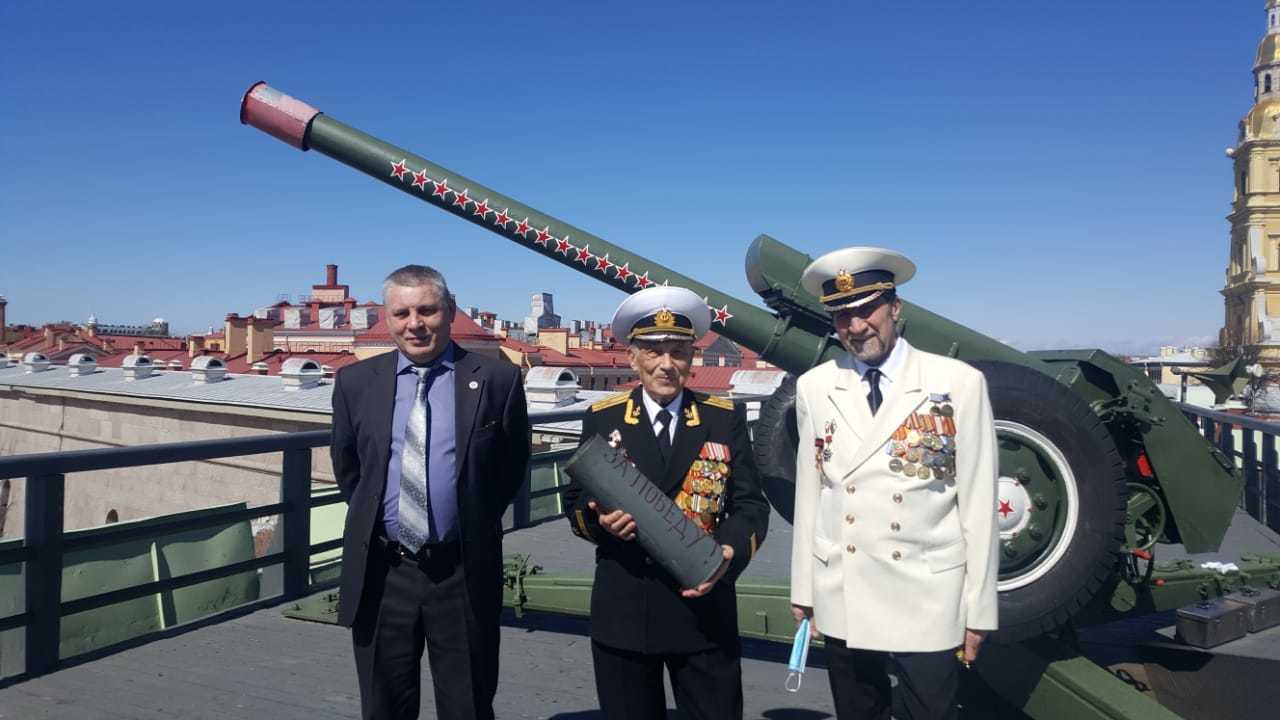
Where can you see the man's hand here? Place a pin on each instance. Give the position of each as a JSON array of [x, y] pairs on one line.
[[800, 612], [705, 587], [972, 641], [617, 523]]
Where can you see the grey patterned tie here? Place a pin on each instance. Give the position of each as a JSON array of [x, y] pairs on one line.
[[415, 498]]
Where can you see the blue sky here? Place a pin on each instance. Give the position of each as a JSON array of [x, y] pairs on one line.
[[1055, 169]]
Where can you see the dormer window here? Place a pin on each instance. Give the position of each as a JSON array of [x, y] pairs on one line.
[[1266, 83]]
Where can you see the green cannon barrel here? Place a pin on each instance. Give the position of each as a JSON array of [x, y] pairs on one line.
[[794, 341]]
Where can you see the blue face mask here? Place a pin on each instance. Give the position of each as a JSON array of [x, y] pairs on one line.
[[799, 656]]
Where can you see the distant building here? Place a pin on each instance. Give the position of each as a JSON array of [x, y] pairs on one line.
[[1252, 291], [1161, 368], [157, 328], [541, 314]]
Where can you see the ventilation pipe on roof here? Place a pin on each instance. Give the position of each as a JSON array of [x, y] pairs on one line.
[[82, 364], [35, 362], [208, 369], [137, 367], [259, 368], [300, 374]]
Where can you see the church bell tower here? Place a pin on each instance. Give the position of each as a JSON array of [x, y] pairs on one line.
[[1252, 291]]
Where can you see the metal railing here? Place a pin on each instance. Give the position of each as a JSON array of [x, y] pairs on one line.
[[45, 546], [1251, 444]]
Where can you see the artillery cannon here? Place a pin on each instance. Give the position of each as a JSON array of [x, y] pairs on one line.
[[1094, 461]]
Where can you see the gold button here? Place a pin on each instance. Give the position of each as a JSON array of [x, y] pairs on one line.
[[897, 497], [897, 555], [850, 548], [849, 489], [848, 519], [895, 527]]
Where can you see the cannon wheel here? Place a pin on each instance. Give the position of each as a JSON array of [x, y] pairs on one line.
[[1062, 493]]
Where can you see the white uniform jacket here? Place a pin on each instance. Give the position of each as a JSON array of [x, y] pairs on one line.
[[891, 561]]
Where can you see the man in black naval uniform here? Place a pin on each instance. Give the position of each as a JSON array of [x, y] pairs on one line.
[[695, 447]]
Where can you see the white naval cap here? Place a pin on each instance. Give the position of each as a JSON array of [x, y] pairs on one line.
[[662, 312], [855, 276]]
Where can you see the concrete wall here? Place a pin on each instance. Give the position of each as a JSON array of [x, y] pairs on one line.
[[50, 422]]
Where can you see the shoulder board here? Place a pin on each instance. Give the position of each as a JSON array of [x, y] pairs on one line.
[[715, 401], [610, 401]]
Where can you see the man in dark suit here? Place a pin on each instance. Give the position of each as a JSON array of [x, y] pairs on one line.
[[430, 443], [694, 447]]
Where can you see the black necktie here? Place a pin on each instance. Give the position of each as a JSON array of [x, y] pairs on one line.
[[664, 433], [874, 398]]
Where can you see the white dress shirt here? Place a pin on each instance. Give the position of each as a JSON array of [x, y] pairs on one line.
[[652, 407], [890, 369]]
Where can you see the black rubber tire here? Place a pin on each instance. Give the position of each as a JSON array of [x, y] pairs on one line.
[[1031, 398], [1027, 397], [774, 443]]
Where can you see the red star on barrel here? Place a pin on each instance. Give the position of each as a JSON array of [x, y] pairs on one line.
[[544, 237], [603, 264], [722, 315], [502, 219], [643, 281], [442, 187], [522, 228], [420, 179], [481, 208], [562, 245], [1006, 507], [584, 254], [624, 271], [461, 199], [398, 170]]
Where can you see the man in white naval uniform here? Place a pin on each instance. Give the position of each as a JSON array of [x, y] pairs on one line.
[[895, 550]]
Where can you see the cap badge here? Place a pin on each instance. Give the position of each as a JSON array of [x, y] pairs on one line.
[[844, 282], [664, 319]]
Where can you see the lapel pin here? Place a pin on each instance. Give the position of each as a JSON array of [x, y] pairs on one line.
[[473, 385]]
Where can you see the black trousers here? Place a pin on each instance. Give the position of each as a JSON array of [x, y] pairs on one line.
[[927, 683], [409, 604], [707, 685]]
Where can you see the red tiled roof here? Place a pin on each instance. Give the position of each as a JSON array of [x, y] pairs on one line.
[[148, 343], [462, 328]]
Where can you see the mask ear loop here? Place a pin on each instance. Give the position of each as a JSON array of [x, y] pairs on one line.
[[797, 677]]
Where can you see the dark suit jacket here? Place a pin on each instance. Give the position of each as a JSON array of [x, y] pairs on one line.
[[492, 456], [635, 604]]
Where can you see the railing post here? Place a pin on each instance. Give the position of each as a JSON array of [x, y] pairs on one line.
[[45, 497], [522, 506], [296, 493], [1270, 483], [1252, 476]]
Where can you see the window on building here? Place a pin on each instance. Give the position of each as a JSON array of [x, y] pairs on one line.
[[112, 516], [1266, 83]]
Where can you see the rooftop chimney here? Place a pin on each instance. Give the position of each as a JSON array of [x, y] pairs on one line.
[[300, 374], [195, 346], [234, 340], [35, 362], [259, 338], [331, 275], [137, 367], [82, 364], [208, 369]]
